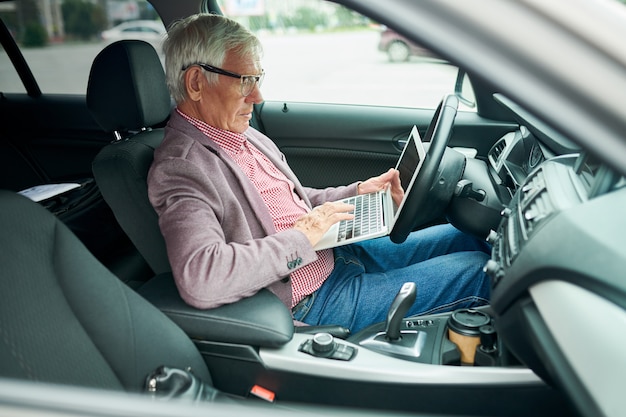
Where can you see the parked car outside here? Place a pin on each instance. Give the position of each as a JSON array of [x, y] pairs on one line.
[[400, 49], [151, 31]]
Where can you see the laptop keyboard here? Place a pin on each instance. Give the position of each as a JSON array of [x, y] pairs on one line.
[[367, 218]]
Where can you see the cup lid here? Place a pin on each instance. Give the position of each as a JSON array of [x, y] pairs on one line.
[[467, 321]]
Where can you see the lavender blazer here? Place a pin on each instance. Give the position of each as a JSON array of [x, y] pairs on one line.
[[220, 238]]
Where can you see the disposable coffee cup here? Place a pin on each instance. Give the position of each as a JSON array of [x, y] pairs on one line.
[[463, 331]]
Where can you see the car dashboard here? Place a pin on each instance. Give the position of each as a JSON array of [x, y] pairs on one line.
[[557, 263]]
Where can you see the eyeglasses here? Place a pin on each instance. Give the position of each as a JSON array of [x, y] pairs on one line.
[[247, 81]]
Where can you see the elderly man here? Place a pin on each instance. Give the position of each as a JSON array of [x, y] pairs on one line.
[[236, 219]]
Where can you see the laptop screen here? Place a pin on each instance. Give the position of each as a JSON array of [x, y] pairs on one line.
[[410, 163]]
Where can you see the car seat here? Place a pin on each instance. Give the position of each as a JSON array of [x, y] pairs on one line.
[[127, 95], [67, 319]]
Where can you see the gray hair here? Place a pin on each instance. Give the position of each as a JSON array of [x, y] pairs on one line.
[[204, 38]]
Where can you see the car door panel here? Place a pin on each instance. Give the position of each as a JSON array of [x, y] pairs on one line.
[[331, 144]]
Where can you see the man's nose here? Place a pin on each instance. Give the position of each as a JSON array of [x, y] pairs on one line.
[[255, 96]]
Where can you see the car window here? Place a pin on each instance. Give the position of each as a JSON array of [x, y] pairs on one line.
[[321, 52], [59, 40], [315, 51]]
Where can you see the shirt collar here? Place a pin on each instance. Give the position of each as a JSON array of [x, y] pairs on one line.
[[231, 142]]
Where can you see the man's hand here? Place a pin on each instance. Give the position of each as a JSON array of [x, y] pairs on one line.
[[390, 178], [321, 218]]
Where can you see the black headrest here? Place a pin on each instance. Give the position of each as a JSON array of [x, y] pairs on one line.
[[127, 88]]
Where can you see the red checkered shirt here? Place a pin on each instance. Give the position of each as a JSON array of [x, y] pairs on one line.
[[277, 191]]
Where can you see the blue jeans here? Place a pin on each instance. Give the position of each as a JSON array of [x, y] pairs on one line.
[[446, 265]]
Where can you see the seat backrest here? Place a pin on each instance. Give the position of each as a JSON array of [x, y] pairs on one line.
[[67, 319], [127, 95]]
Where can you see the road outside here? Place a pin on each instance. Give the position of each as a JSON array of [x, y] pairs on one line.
[[326, 67], [348, 68]]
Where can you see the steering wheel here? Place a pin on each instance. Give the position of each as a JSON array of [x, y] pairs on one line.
[[421, 206]]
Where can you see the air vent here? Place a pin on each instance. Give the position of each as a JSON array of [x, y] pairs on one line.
[[496, 152], [535, 203], [539, 208], [533, 185], [511, 242]]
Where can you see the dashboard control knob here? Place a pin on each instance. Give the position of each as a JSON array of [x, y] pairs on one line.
[[492, 237], [323, 343], [494, 270]]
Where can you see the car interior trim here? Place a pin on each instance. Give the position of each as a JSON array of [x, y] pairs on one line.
[[370, 366], [589, 348]]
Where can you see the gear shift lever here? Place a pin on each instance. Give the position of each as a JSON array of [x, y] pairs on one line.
[[400, 305]]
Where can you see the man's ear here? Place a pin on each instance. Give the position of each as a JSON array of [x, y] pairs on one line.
[[195, 81]]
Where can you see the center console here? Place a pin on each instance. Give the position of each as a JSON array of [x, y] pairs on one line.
[[465, 337]]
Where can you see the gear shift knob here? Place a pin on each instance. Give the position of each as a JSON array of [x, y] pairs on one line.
[[400, 305]]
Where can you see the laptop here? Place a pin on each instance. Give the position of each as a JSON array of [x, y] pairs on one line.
[[376, 213]]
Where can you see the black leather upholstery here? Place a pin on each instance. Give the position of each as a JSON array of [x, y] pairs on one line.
[[67, 319], [261, 320], [127, 93]]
